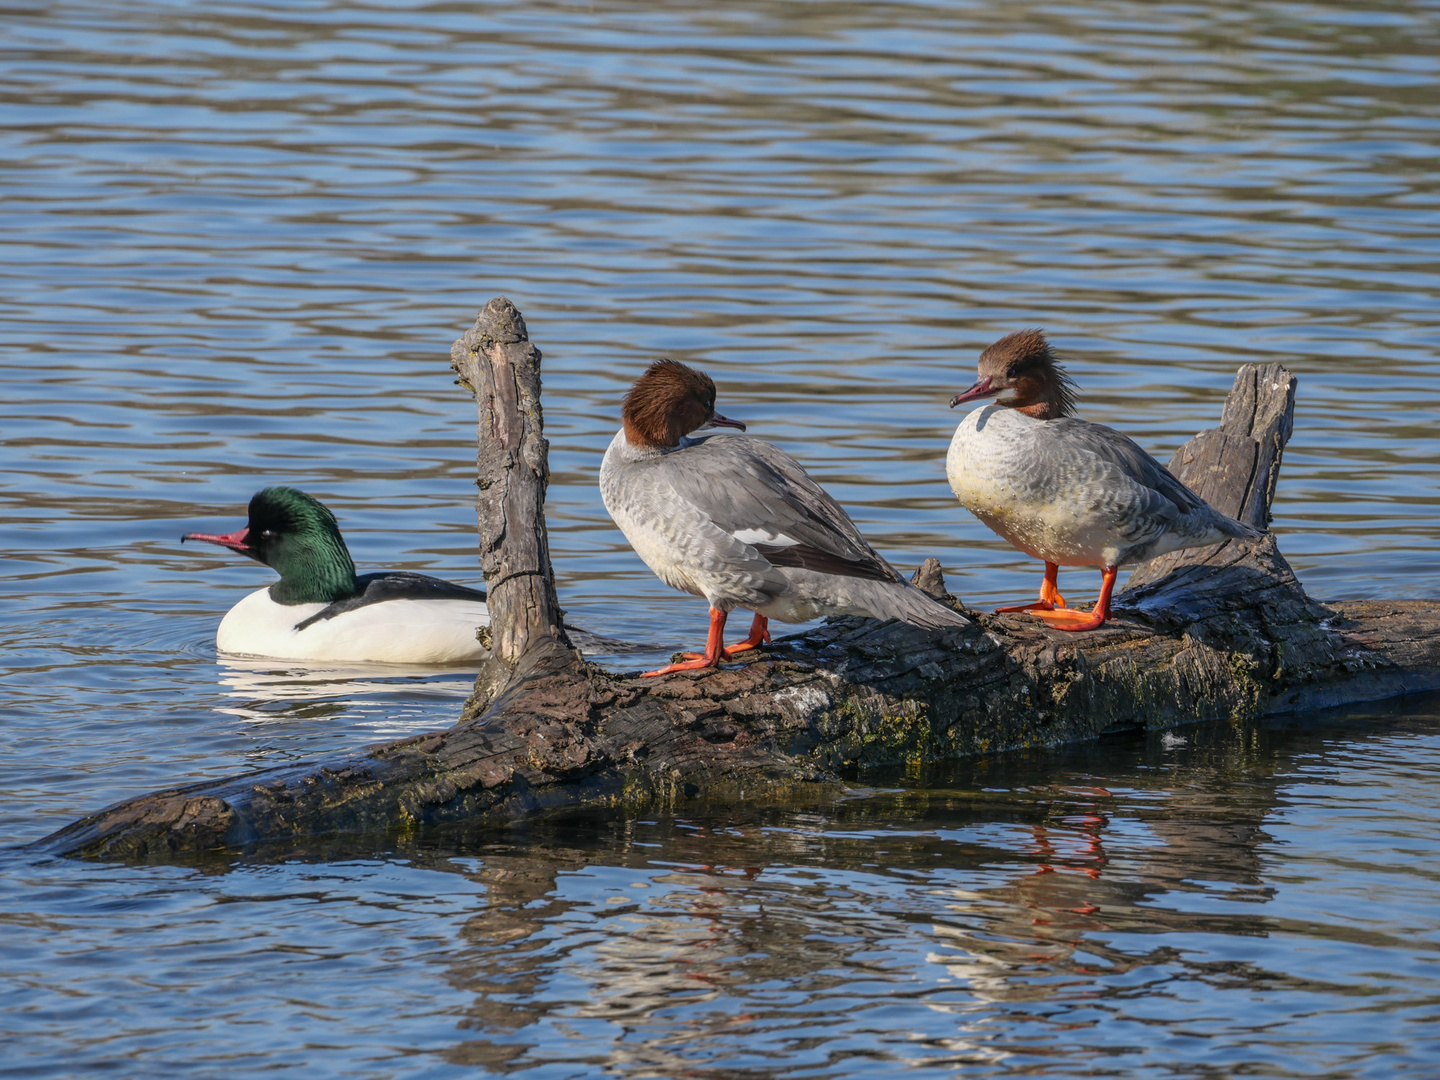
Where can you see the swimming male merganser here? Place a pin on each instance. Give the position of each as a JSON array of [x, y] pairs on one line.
[[319, 610], [738, 522], [1063, 490]]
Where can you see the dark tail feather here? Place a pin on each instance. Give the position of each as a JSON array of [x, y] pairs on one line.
[[908, 604]]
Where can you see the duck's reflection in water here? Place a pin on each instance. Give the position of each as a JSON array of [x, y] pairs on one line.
[[380, 700]]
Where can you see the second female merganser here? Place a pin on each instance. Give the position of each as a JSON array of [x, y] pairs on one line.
[[1063, 490], [738, 522], [320, 611]]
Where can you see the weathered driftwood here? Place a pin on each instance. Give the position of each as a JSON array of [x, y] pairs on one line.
[[496, 362], [1224, 631]]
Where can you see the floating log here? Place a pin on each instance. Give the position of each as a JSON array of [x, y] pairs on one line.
[[1215, 632]]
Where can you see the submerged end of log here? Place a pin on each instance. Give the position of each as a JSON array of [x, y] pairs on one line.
[[1214, 632]]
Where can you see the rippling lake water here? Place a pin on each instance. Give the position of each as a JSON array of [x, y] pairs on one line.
[[239, 239]]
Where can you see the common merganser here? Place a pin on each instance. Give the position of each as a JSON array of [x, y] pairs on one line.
[[1067, 491], [738, 522], [319, 610]]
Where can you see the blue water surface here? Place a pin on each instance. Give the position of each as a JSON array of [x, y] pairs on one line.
[[238, 241]]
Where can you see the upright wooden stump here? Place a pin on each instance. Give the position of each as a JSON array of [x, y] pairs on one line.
[[498, 364]]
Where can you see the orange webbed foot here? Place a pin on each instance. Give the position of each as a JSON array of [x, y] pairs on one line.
[[728, 651], [710, 658], [1034, 606], [1050, 598], [1078, 620], [1068, 619], [697, 662], [759, 635], [714, 651]]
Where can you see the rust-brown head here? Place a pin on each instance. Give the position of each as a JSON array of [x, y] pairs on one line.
[[667, 403], [1021, 371]]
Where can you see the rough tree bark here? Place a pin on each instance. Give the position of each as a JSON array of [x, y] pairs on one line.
[[497, 362], [1215, 632]]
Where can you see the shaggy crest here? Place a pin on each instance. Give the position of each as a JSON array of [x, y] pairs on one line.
[[1026, 365]]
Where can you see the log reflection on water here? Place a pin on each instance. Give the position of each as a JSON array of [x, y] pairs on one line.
[[661, 944]]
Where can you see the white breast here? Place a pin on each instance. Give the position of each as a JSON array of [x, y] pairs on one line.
[[987, 461], [1003, 470], [392, 631]]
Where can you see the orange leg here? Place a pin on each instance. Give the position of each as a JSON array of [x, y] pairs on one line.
[[759, 635], [710, 657], [1050, 597], [1079, 620]]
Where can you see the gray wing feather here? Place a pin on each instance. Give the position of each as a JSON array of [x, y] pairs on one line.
[[1138, 497], [1109, 445], [744, 483], [1130, 492]]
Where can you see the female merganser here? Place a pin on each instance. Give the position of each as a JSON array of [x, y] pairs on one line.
[[738, 522], [1063, 490], [319, 610]]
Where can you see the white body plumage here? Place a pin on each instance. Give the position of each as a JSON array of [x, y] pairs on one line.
[[400, 631]]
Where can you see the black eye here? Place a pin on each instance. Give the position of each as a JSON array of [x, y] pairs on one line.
[[264, 533]]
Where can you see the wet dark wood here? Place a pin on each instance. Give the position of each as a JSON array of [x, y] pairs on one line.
[[1216, 632]]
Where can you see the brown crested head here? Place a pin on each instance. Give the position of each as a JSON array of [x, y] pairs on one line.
[[1021, 371], [667, 403]]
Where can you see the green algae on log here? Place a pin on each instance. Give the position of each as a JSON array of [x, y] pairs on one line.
[[1212, 632]]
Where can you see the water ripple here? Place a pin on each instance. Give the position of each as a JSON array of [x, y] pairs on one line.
[[239, 240]]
